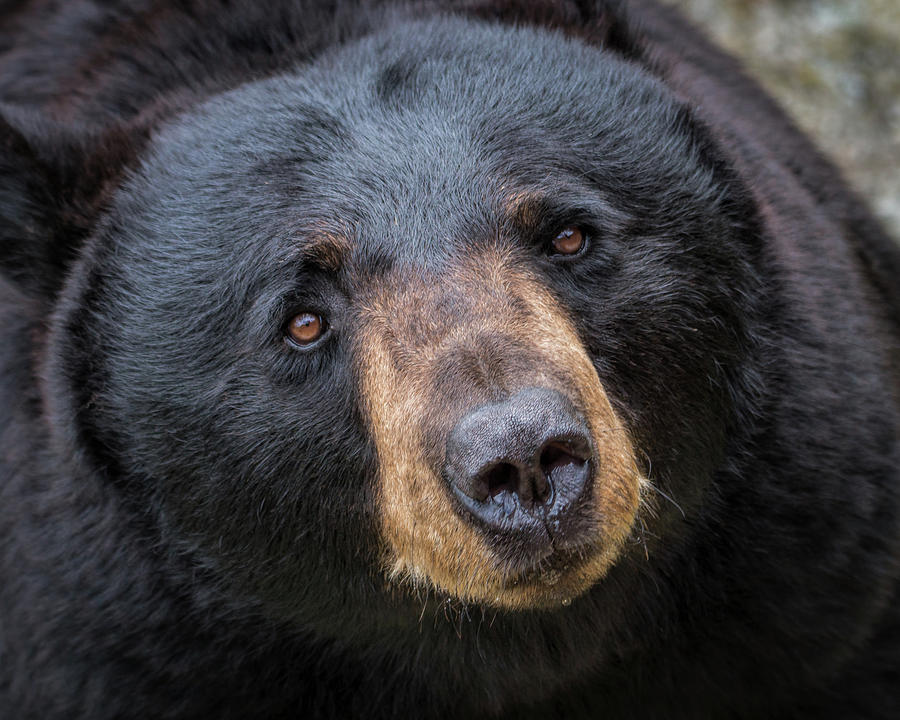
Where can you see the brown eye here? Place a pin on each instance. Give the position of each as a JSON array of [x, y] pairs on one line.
[[305, 328], [569, 242]]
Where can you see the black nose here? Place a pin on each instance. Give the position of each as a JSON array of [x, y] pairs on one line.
[[520, 463]]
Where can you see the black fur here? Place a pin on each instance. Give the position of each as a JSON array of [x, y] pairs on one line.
[[186, 505]]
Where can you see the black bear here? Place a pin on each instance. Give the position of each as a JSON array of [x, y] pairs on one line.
[[488, 358]]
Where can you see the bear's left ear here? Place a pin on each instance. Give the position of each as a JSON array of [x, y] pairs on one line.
[[53, 181]]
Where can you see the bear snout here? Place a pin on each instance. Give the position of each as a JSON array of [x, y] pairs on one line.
[[498, 449]]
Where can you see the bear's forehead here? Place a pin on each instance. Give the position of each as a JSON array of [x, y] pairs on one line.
[[404, 143]]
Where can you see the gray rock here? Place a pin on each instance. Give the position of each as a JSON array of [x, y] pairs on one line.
[[835, 66]]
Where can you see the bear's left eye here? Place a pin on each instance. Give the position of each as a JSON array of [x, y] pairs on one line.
[[570, 241], [305, 329]]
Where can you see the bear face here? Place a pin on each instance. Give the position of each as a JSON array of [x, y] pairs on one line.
[[408, 193], [360, 364]]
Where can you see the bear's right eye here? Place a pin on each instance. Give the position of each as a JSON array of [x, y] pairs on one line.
[[305, 329], [569, 242]]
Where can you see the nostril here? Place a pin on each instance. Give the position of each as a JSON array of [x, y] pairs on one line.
[[500, 477], [503, 481], [565, 465], [557, 454]]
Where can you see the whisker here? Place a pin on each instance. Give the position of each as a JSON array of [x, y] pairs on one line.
[[662, 494]]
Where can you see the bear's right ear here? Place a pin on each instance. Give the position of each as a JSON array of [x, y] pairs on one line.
[[53, 181]]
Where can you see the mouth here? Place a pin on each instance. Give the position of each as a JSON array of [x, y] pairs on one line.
[[550, 579], [550, 569]]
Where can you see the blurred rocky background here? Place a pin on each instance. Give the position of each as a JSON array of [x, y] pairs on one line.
[[835, 66]]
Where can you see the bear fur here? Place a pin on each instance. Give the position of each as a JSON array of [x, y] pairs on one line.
[[193, 509]]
